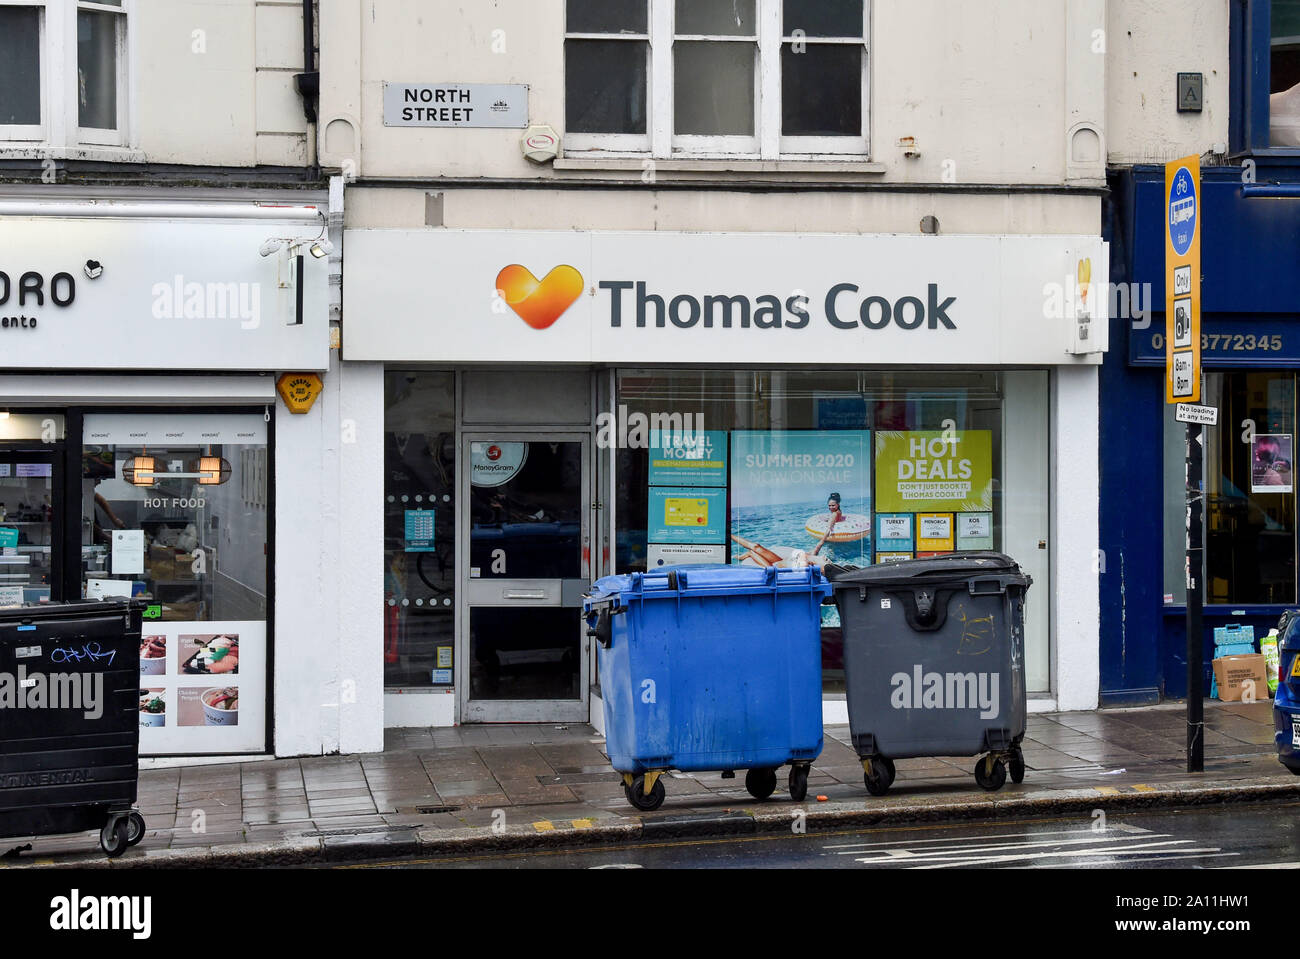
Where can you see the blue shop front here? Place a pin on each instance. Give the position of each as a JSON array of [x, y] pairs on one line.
[[1251, 349]]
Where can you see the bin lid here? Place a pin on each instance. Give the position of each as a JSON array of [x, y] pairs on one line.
[[956, 567], [712, 577], [109, 606]]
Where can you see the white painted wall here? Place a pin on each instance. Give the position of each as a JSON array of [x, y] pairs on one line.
[[1147, 45], [360, 493], [419, 707], [716, 210], [1026, 510], [211, 82], [1076, 609], [329, 568]]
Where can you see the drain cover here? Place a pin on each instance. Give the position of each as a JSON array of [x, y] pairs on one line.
[[431, 810]]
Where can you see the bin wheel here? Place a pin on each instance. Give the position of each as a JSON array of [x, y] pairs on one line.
[[637, 797], [994, 779], [761, 783], [798, 783], [1016, 766], [114, 837], [881, 776], [135, 828]]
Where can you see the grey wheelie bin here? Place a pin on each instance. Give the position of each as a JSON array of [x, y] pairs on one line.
[[70, 720], [934, 662]]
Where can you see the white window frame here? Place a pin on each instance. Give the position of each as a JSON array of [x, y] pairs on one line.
[[768, 143], [694, 144], [29, 132], [618, 142], [60, 126], [94, 135]]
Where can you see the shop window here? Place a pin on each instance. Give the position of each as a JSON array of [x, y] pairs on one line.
[[82, 42], [173, 511], [31, 481], [1250, 500], [851, 468], [419, 528], [668, 77]]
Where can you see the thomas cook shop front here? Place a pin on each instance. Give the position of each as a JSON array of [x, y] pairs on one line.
[[562, 406]]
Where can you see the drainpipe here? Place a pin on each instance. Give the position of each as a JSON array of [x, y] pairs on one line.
[[308, 82]]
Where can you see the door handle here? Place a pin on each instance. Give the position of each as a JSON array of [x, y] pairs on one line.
[[524, 594]]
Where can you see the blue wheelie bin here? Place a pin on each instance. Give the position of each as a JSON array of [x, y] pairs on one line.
[[1286, 704], [710, 668]]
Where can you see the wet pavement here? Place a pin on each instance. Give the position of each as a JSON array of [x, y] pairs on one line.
[[1255, 835], [540, 779]]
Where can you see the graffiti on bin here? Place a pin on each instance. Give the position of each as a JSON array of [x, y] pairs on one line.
[[90, 651], [976, 635]]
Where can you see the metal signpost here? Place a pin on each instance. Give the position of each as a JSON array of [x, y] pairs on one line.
[[1183, 387]]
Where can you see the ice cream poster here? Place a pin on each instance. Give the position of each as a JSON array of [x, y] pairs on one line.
[[800, 496], [934, 472]]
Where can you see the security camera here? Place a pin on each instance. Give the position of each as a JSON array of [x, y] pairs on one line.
[[270, 246], [321, 248], [93, 269]]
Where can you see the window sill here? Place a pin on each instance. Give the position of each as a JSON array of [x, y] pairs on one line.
[[637, 163], [92, 152]]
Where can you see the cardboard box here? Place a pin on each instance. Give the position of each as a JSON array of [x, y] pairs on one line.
[[1231, 672], [161, 562], [182, 611]]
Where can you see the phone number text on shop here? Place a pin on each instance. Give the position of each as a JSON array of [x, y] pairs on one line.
[[1233, 342]]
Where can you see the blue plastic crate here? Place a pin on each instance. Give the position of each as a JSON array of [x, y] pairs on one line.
[[710, 667], [1236, 633], [1235, 649]]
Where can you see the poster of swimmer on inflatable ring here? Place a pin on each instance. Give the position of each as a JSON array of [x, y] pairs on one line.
[[800, 496]]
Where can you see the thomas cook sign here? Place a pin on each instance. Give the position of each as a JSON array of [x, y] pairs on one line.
[[706, 298]]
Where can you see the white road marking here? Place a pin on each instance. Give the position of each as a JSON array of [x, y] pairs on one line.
[[853, 847], [1103, 861], [1026, 842], [1112, 851], [1119, 842]]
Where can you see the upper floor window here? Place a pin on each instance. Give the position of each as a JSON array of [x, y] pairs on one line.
[[762, 78], [63, 72]]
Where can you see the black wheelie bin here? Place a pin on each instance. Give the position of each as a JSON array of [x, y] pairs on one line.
[[934, 662], [70, 720]]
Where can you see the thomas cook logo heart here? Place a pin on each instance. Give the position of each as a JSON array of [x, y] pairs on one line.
[[539, 303]]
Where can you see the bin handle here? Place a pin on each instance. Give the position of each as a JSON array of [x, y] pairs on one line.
[[926, 610], [602, 630], [924, 600]]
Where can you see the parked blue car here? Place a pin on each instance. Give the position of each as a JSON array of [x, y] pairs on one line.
[[1286, 705]]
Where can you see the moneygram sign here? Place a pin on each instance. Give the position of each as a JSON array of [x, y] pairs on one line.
[[709, 298]]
